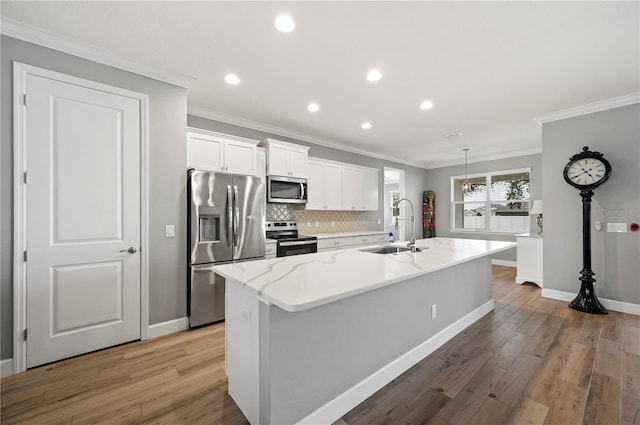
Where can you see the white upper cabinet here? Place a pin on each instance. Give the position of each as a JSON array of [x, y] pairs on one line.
[[359, 188], [286, 159], [369, 187], [325, 185], [261, 162], [220, 152]]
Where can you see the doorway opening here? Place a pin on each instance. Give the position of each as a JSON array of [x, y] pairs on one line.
[[394, 190]]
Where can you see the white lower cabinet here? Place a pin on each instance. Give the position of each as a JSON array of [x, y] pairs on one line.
[[271, 249], [529, 258], [344, 242], [327, 244]]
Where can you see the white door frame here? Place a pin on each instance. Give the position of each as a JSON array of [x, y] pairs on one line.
[[20, 72]]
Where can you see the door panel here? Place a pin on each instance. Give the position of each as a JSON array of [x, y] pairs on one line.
[[83, 213], [250, 209]]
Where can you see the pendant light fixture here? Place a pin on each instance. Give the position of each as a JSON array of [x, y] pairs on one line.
[[465, 183]]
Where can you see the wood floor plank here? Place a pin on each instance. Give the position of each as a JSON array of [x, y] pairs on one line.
[[451, 381], [603, 401], [568, 405], [631, 339], [608, 360], [515, 380], [630, 411], [579, 365], [630, 375], [527, 411]]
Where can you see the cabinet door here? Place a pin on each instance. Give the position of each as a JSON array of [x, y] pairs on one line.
[[205, 152], [369, 184], [261, 163], [298, 162], [351, 196], [277, 160], [315, 185], [240, 157], [333, 186]]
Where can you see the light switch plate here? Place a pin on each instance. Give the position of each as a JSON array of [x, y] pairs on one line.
[[617, 227], [169, 231]]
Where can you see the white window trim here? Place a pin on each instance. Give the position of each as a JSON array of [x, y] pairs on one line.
[[453, 203]]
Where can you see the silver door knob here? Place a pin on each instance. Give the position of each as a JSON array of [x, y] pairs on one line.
[[131, 250]]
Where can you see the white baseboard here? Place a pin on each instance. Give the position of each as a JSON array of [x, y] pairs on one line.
[[169, 327], [339, 406], [505, 263], [612, 305], [6, 368]]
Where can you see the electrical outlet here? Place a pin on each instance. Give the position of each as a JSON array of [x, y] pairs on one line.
[[333, 223], [169, 231], [308, 223], [434, 311]]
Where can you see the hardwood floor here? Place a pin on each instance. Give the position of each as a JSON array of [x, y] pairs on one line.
[[530, 361]]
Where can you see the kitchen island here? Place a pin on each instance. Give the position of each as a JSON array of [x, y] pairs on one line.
[[309, 337]]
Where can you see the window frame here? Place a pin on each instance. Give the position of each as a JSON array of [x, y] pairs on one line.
[[487, 202]]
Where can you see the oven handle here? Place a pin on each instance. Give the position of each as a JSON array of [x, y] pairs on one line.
[[295, 243]]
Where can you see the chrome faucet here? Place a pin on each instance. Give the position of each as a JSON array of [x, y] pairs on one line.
[[412, 242]]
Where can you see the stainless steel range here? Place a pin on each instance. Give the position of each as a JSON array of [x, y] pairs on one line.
[[289, 241]]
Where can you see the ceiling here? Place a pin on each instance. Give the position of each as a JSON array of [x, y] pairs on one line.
[[489, 68]]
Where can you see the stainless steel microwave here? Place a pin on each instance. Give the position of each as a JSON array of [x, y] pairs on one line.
[[286, 190]]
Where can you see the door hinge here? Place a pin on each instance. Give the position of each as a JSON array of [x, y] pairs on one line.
[[24, 99], [25, 334], [24, 255], [24, 177]]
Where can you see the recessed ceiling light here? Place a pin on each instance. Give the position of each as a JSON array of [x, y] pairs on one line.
[[366, 125], [451, 135], [313, 107], [427, 104], [374, 75], [232, 79], [284, 23]]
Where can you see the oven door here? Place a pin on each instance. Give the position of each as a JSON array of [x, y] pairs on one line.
[[286, 190], [287, 248]]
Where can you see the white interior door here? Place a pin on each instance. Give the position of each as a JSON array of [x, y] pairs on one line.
[[82, 148]]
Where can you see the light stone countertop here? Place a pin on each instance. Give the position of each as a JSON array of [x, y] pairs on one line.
[[342, 234], [301, 282]]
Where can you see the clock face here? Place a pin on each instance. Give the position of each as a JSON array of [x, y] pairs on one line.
[[587, 172]]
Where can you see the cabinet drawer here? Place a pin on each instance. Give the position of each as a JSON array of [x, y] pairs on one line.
[[270, 250], [346, 242], [371, 239]]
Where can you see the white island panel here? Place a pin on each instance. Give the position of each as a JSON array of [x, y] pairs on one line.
[[309, 337]]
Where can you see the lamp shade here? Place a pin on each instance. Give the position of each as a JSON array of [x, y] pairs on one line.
[[537, 208]]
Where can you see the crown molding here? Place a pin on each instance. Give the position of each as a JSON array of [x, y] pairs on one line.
[[278, 131], [590, 108], [484, 158], [31, 34]]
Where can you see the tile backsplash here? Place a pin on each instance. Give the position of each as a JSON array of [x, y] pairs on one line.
[[320, 221]]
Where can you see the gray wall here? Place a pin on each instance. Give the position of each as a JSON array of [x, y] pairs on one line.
[[616, 134], [438, 181], [414, 177], [167, 177]]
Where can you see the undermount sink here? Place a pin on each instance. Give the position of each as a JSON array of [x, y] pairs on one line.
[[385, 249]]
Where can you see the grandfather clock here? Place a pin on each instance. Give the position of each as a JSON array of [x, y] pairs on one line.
[[586, 171]]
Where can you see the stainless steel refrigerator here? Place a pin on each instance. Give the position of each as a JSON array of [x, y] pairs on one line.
[[226, 223]]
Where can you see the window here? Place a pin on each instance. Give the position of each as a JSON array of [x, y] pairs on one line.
[[495, 202]]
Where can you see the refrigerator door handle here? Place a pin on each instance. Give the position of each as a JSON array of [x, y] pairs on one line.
[[236, 215], [229, 217]]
